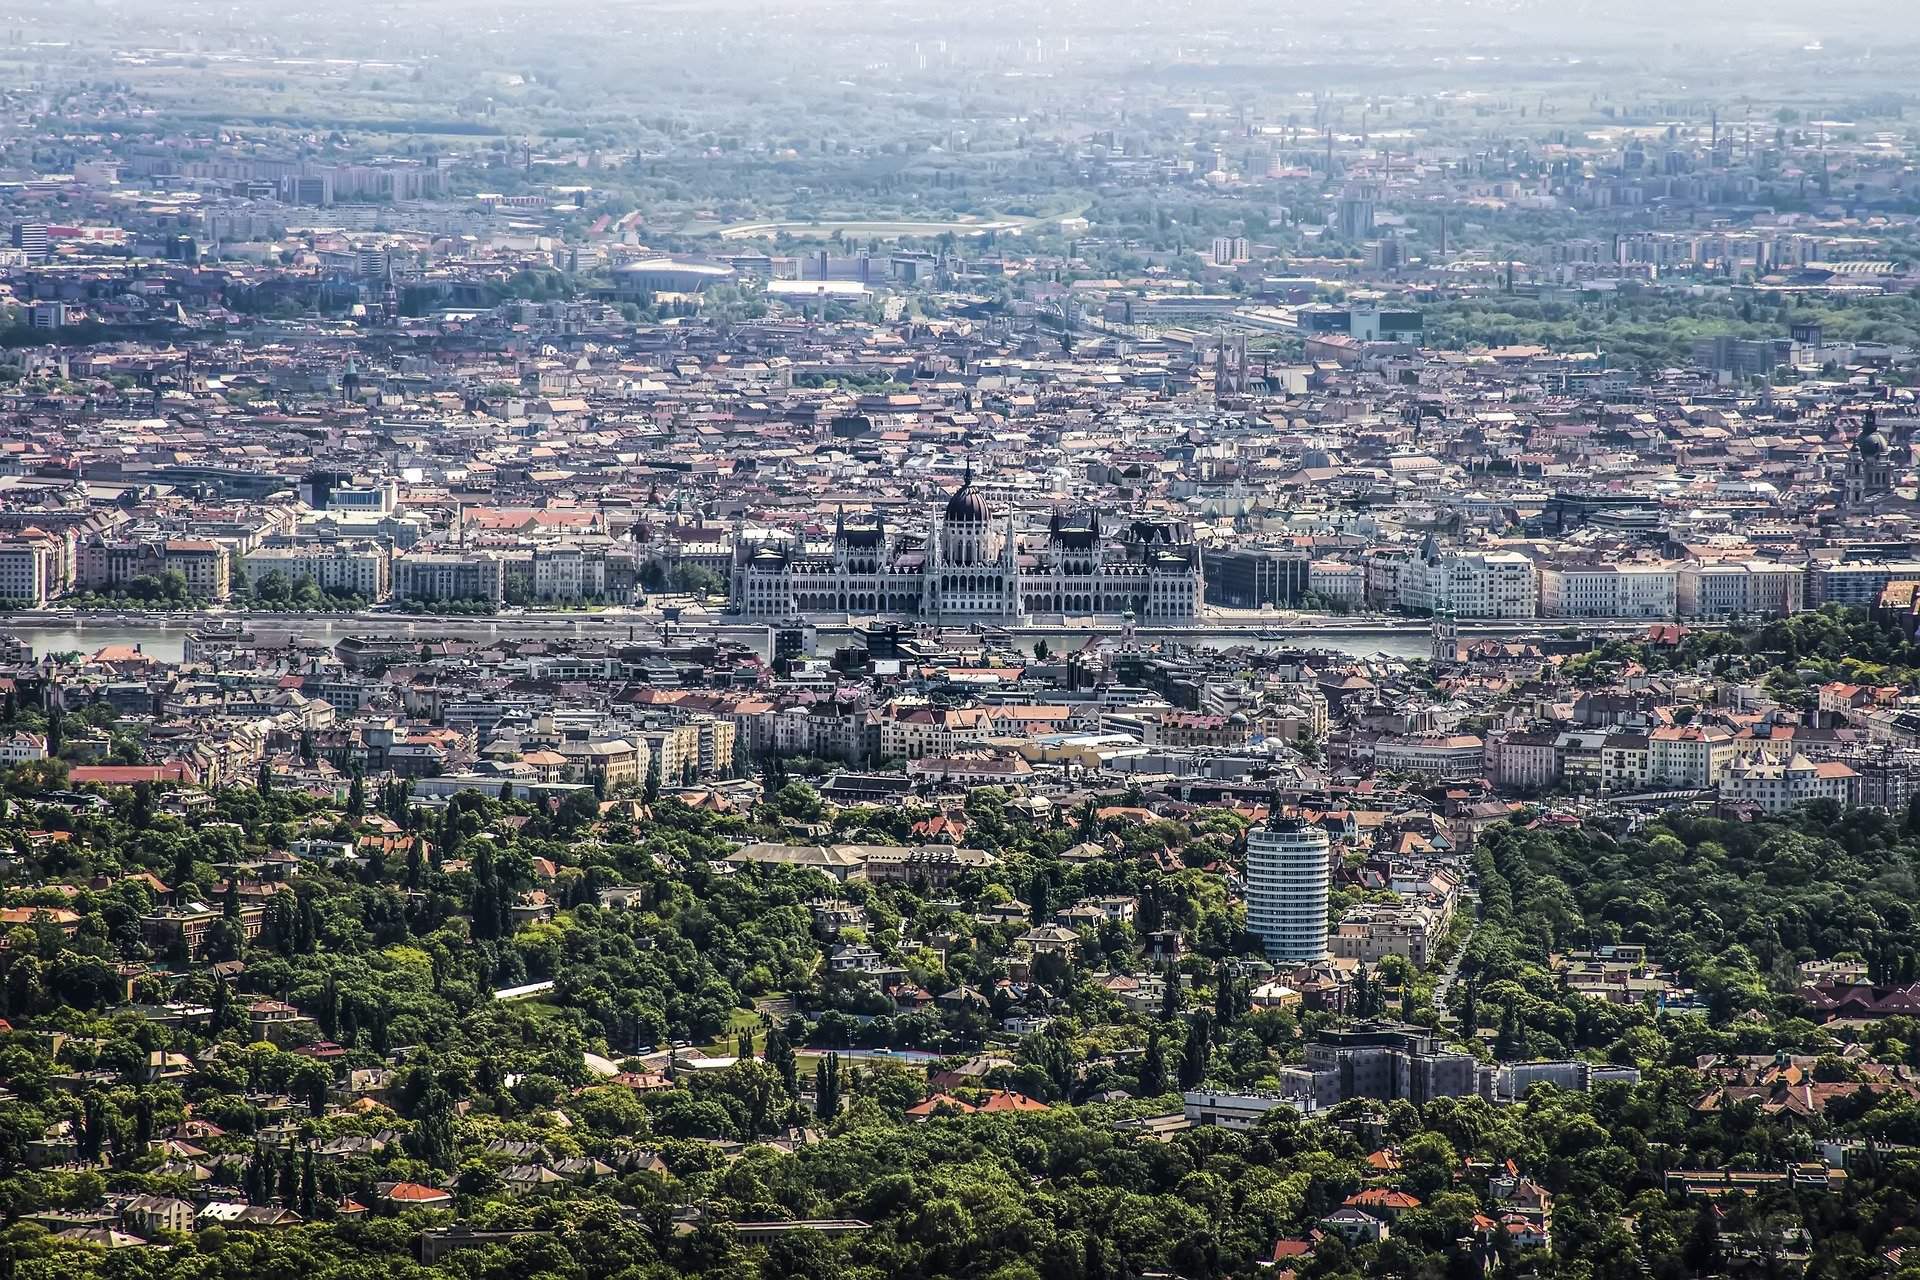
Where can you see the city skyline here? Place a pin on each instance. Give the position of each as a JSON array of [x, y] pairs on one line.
[[822, 642]]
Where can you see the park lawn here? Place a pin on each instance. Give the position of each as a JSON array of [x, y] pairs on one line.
[[728, 1043]]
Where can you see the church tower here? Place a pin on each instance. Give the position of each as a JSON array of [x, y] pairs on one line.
[[390, 297], [1869, 472], [1446, 637]]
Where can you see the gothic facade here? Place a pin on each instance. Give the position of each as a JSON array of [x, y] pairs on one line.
[[969, 566]]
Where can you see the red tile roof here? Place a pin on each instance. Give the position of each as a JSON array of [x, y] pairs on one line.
[[414, 1193], [125, 775]]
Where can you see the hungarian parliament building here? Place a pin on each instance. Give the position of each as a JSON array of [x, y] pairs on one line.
[[970, 567]]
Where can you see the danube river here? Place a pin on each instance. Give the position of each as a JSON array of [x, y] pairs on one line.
[[164, 636]]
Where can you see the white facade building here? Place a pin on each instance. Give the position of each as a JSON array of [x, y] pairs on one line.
[[1337, 580], [1458, 755], [918, 732], [1720, 588], [1689, 756], [1778, 786], [20, 747], [439, 575], [1289, 867], [350, 568], [1588, 590], [28, 570], [567, 572], [380, 497], [1228, 250], [1481, 584]]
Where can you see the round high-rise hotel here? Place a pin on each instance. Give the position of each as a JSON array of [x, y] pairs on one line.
[[1288, 870]]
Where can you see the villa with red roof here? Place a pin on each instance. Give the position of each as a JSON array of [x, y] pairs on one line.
[[412, 1195]]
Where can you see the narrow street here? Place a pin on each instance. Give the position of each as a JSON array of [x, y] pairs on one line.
[[1443, 985]]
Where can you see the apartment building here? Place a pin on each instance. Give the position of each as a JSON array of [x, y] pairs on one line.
[[702, 738], [1523, 761], [1581, 757], [346, 568], [203, 563], [1370, 933], [104, 565], [910, 732], [1574, 589], [1384, 570], [1777, 786], [442, 575], [1855, 582], [568, 571], [1338, 581], [1885, 780], [622, 762], [21, 746], [676, 748], [830, 729], [1722, 588], [28, 569], [1693, 756], [1459, 755], [1192, 729], [1288, 871], [1229, 250], [1624, 761], [1483, 584], [65, 531]]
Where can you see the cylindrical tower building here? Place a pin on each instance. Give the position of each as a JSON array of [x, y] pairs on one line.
[[1288, 871]]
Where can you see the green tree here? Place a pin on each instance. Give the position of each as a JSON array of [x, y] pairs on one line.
[[433, 1139], [1703, 1253], [780, 1055], [826, 1087], [1153, 1068], [1193, 1060]]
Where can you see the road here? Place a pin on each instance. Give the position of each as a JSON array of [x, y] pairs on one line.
[[1443, 985], [58, 630], [1235, 624]]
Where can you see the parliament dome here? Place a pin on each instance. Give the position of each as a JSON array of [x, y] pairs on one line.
[[966, 506]]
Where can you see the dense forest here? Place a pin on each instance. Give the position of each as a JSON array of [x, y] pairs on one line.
[[394, 953], [1791, 656]]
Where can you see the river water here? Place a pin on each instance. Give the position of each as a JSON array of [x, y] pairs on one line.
[[165, 640]]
